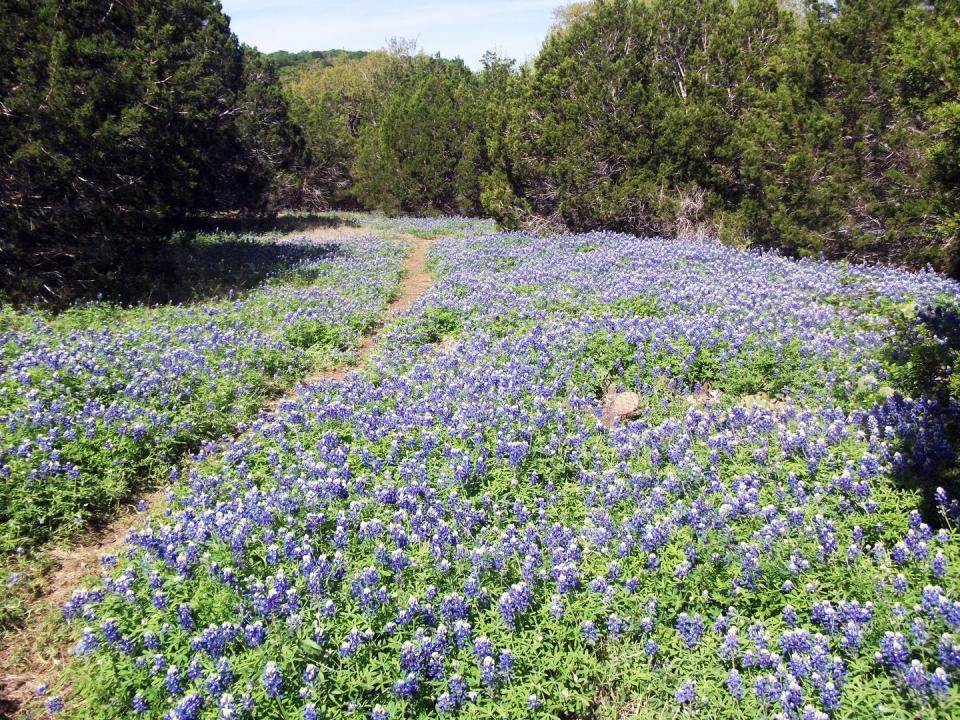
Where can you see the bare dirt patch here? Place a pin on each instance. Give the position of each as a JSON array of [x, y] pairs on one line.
[[37, 653], [333, 233]]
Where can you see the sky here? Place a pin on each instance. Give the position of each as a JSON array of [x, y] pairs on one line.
[[454, 28]]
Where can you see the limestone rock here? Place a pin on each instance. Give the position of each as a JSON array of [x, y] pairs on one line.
[[618, 405]]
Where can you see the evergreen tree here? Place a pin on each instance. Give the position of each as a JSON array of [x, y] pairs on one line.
[[423, 143], [924, 69], [122, 118]]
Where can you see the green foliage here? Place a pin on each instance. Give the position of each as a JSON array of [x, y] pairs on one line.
[[440, 323], [832, 130], [753, 371], [333, 104], [925, 72], [120, 120], [423, 153], [499, 200], [638, 306], [920, 359], [403, 133], [923, 352], [274, 154], [291, 62]]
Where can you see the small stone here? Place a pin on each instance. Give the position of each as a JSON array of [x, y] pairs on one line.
[[618, 405], [448, 344]]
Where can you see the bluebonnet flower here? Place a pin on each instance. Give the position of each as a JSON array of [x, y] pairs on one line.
[[691, 628], [734, 684], [461, 633], [185, 616], [454, 608], [313, 516], [918, 629], [445, 703], [556, 607], [272, 680], [407, 686], [458, 688], [830, 696], [174, 681], [253, 635], [88, 643], [767, 689], [616, 626], [939, 565], [687, 693], [916, 678], [140, 705], [482, 647], [790, 615], [893, 650], [939, 682], [227, 707], [730, 645], [436, 667], [488, 670], [505, 662], [54, 705], [513, 602]]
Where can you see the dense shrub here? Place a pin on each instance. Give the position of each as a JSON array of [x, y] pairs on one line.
[[810, 127], [822, 131], [921, 356], [418, 156], [119, 120]]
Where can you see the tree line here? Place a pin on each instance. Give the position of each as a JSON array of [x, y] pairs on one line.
[[823, 127], [826, 127], [119, 120]]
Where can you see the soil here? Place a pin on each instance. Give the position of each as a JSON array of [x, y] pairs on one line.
[[37, 653], [416, 282]]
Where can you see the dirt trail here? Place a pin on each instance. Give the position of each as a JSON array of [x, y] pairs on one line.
[[38, 653], [416, 281]]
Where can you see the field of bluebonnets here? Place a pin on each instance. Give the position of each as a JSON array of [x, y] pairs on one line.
[[103, 398], [455, 532]]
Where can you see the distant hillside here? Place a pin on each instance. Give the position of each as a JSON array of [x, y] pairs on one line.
[[292, 61]]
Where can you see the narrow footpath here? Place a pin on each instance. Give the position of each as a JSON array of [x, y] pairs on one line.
[[38, 653], [416, 281]]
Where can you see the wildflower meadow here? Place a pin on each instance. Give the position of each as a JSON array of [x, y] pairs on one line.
[[463, 529]]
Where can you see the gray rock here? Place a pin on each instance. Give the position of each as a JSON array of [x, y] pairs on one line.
[[618, 405]]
